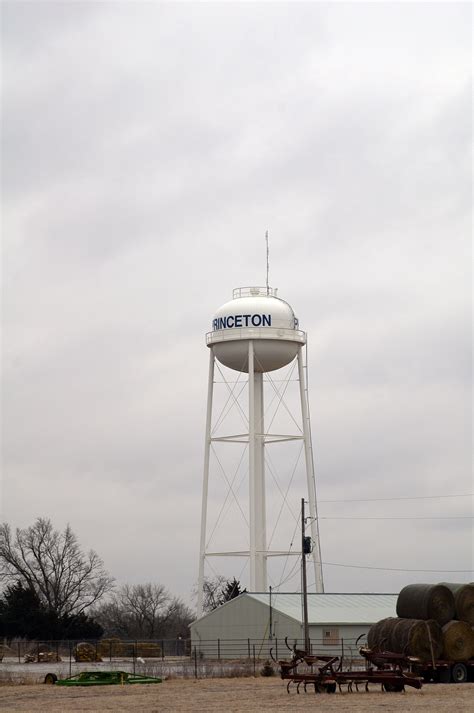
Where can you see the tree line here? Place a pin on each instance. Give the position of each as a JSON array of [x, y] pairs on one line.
[[52, 590]]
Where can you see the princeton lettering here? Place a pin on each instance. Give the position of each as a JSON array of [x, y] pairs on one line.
[[242, 320]]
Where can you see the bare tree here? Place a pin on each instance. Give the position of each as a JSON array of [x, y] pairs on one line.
[[51, 564], [143, 611], [219, 590], [146, 604], [112, 618], [212, 592], [179, 619]]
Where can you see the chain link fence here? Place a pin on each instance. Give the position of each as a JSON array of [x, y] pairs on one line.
[[28, 661]]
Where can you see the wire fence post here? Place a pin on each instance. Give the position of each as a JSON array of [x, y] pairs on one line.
[[254, 662], [110, 651], [70, 658], [134, 656], [248, 647], [162, 650], [276, 648], [218, 649], [195, 663]]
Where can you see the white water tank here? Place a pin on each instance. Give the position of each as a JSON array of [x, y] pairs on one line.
[[257, 314]]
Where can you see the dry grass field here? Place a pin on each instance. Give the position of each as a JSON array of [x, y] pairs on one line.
[[235, 695]]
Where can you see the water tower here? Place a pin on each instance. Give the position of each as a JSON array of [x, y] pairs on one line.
[[256, 333]]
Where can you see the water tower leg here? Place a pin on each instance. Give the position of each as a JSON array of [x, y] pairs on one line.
[[205, 484], [258, 575], [259, 484], [308, 451]]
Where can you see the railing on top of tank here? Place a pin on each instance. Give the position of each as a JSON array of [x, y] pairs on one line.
[[236, 333], [254, 292]]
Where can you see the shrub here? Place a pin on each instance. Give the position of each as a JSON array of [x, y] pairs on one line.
[[267, 669]]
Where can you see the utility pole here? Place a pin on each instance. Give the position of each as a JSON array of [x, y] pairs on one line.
[[305, 587], [270, 636]]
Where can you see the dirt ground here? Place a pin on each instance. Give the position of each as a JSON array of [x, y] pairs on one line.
[[235, 695]]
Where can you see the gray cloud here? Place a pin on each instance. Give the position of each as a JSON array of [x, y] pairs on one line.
[[146, 148]]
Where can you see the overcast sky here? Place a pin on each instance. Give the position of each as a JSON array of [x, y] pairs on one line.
[[146, 149]]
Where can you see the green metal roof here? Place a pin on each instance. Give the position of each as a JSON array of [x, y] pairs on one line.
[[332, 608]]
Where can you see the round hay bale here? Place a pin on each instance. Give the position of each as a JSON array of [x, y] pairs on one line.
[[400, 635], [463, 600], [385, 634], [417, 637], [426, 601], [86, 652], [378, 637], [458, 641], [372, 637]]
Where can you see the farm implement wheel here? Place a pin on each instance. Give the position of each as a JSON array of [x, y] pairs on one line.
[[459, 673]]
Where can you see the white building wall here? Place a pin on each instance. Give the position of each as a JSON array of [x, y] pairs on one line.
[[241, 627], [343, 638], [232, 630]]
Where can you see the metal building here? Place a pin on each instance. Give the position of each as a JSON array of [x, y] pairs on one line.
[[254, 623]]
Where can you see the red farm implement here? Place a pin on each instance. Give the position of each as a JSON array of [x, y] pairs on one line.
[[324, 674]]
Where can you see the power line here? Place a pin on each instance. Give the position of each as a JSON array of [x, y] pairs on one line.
[[396, 569], [442, 517], [290, 575], [414, 497]]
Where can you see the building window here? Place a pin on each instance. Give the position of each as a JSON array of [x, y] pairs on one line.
[[331, 636]]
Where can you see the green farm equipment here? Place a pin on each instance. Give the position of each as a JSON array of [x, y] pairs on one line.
[[100, 678]]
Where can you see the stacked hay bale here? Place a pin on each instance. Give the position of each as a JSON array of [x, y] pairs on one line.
[[463, 601], [413, 637], [458, 634], [112, 647], [433, 621], [458, 641], [426, 601], [116, 648], [148, 649]]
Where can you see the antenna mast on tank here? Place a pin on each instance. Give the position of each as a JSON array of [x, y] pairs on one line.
[[268, 263]]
